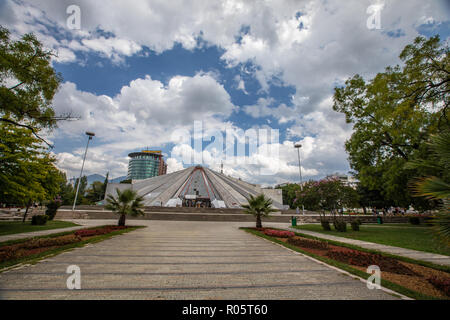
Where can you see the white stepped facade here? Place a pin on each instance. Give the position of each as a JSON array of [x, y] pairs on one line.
[[197, 187]]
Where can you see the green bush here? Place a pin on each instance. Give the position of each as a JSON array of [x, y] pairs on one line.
[[52, 208], [358, 221], [39, 220], [340, 225], [414, 220], [355, 225], [325, 225]]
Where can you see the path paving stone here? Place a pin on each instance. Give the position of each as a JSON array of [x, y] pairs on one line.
[[184, 260]]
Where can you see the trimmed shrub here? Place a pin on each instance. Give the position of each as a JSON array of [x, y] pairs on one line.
[[355, 226], [325, 225], [340, 225], [52, 208], [39, 220], [278, 233], [308, 243], [414, 220]]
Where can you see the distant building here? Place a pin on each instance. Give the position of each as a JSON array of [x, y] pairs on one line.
[[146, 164], [345, 179]]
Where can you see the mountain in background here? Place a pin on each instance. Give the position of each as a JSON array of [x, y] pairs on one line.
[[117, 180], [98, 177]]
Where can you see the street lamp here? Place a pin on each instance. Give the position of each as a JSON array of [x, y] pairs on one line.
[[298, 146], [90, 135]]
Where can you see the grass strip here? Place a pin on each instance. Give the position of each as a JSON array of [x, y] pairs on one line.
[[387, 284], [419, 238], [427, 264], [33, 259], [14, 227]]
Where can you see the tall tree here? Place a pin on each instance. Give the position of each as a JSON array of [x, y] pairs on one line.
[[371, 198], [105, 184], [327, 195], [27, 172], [28, 83], [81, 199], [67, 192], [393, 115], [95, 193], [289, 194]]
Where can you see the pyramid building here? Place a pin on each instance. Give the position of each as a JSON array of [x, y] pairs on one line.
[[197, 187]]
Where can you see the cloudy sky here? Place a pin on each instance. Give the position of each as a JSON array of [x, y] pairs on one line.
[[140, 73]]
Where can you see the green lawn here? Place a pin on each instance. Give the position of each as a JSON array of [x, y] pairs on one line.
[[11, 227], [405, 236]]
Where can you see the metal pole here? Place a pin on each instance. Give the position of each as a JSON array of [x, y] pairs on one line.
[[81, 173], [300, 170], [301, 180]]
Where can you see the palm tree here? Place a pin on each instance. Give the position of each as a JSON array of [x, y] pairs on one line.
[[126, 202], [259, 206], [437, 187]]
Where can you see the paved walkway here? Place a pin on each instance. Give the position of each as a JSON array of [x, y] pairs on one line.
[[82, 223], [409, 253], [185, 260]]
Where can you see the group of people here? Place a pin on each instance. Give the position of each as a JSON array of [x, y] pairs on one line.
[[395, 211]]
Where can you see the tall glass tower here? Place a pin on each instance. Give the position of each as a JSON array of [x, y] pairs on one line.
[[146, 164]]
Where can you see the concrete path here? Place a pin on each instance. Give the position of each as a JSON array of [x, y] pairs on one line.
[[82, 223], [409, 253], [185, 260]]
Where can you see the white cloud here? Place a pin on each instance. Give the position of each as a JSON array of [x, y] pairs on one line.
[[195, 98], [65, 55], [173, 165], [97, 161], [22, 17], [310, 45], [141, 114]]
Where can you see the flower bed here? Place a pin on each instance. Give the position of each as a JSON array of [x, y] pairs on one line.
[[441, 284], [364, 259], [308, 243], [278, 233], [97, 232], [426, 280], [38, 245]]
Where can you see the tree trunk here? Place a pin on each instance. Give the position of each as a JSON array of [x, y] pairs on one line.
[[122, 220], [26, 211], [364, 210], [258, 221]]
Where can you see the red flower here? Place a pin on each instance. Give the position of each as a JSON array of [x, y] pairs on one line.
[[278, 233]]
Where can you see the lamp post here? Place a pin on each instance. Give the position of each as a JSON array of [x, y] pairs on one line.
[[298, 146], [90, 135]]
